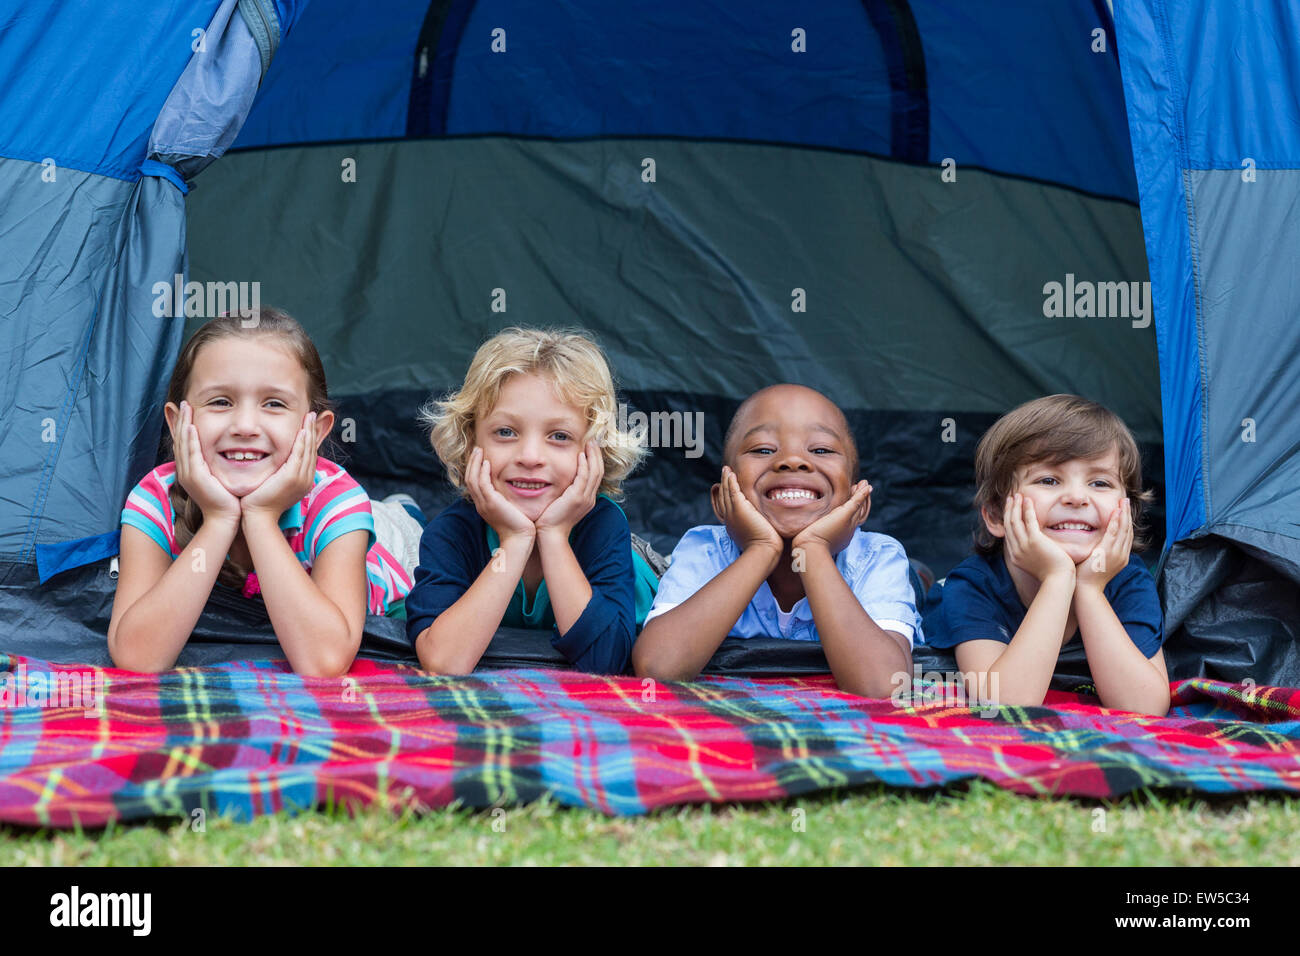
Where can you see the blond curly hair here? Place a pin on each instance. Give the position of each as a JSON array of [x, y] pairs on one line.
[[571, 361]]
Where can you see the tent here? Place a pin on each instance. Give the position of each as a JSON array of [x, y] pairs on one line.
[[927, 210]]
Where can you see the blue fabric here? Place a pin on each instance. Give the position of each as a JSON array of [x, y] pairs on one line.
[[1015, 87], [1157, 112], [152, 167], [211, 100], [978, 601], [874, 566], [1012, 87], [95, 116], [1203, 99], [343, 74], [1230, 82], [454, 551], [51, 559]]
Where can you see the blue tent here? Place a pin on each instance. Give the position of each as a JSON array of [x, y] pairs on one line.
[[928, 210]]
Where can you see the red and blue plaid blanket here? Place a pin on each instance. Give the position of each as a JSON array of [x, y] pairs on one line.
[[83, 746]]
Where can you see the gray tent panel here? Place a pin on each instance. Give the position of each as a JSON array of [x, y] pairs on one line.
[[1251, 406], [917, 295], [61, 225]]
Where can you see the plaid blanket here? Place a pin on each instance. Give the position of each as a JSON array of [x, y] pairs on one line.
[[83, 746]]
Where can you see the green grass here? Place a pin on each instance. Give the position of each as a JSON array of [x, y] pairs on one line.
[[981, 824]]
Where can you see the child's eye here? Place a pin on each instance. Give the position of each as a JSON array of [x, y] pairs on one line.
[[219, 401], [504, 432], [560, 436], [826, 451], [762, 451], [1103, 483], [276, 401], [1047, 480]]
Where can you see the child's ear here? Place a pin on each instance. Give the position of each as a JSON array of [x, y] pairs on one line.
[[172, 413], [324, 422], [993, 524]]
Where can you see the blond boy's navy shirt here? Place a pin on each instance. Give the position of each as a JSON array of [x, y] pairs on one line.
[[979, 601], [458, 544], [873, 565]]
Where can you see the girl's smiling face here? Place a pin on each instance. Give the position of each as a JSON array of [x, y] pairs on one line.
[[249, 397], [532, 441]]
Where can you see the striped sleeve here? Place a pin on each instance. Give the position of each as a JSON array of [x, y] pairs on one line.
[[148, 507], [336, 505]]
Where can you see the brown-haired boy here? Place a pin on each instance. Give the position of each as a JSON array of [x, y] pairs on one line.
[[1059, 495]]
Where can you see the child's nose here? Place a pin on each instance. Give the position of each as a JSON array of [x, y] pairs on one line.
[[530, 451], [793, 461], [246, 419], [1075, 494]]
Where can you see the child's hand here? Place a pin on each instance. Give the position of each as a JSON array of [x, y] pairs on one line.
[[1109, 557], [834, 530], [194, 475], [292, 481], [579, 498], [744, 522], [1027, 547], [492, 506]]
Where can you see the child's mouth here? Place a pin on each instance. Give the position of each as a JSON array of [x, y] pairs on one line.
[[244, 459], [1074, 527], [792, 497], [528, 489]]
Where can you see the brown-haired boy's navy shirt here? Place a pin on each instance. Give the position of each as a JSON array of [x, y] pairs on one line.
[[979, 602]]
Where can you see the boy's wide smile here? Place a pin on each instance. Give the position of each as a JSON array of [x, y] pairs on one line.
[[793, 456], [787, 494]]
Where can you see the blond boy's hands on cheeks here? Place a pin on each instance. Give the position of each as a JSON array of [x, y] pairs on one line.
[[562, 514], [532, 483], [502, 515]]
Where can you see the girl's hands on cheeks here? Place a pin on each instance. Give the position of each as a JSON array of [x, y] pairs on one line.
[[506, 519], [292, 481], [744, 522], [1112, 555], [194, 475], [1027, 547], [834, 530], [579, 498]]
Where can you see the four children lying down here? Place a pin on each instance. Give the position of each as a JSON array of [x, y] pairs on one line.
[[538, 541]]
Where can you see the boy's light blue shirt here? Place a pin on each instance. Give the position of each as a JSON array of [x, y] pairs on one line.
[[874, 566]]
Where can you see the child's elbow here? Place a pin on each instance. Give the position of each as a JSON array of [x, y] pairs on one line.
[[329, 666], [125, 657], [646, 663], [436, 660]]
